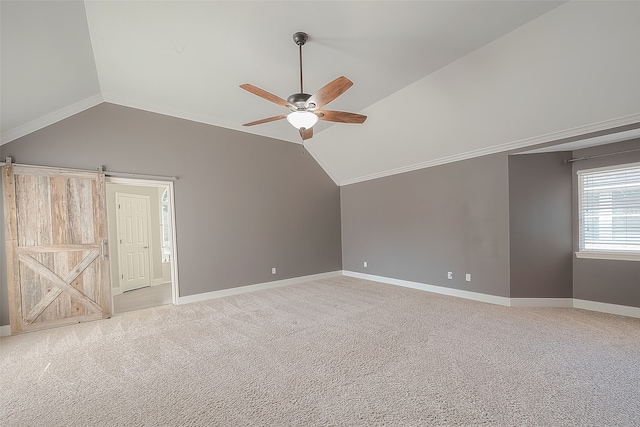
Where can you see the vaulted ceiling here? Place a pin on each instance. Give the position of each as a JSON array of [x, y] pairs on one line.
[[439, 80]]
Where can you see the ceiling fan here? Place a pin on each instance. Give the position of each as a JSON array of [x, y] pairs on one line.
[[305, 108]]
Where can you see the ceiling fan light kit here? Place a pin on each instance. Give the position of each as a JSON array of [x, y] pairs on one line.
[[302, 119], [304, 107]]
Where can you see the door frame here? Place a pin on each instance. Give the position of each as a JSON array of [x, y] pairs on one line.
[[175, 286], [150, 243]]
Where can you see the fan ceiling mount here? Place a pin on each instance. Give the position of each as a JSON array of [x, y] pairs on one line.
[[304, 107]]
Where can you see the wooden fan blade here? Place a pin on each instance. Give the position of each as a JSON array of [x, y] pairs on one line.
[[340, 117], [266, 95], [330, 92], [267, 120], [306, 133]]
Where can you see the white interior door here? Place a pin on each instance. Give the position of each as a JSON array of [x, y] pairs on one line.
[[133, 241]]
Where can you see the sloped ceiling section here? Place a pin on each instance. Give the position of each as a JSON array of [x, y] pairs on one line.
[[188, 58], [48, 69], [439, 81], [570, 72]]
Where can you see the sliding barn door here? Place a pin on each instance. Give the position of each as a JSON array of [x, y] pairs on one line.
[[55, 228]]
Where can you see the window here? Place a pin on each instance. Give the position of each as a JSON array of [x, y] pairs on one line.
[[609, 212], [165, 228]]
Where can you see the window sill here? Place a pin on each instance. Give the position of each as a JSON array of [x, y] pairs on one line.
[[617, 256]]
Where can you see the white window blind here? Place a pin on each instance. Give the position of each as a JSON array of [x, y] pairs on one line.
[[609, 209]]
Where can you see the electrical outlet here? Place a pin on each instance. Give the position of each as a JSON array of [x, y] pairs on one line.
[[365, 263], [449, 275], [273, 270], [468, 277]]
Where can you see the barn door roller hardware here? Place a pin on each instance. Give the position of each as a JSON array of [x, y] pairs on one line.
[[9, 162]]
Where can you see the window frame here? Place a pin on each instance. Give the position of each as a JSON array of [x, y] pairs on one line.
[[601, 254]]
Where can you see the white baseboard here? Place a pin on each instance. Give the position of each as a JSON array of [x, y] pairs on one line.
[[116, 291], [493, 299], [542, 302], [621, 310], [257, 287]]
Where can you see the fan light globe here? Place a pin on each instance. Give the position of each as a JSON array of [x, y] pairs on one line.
[[302, 119]]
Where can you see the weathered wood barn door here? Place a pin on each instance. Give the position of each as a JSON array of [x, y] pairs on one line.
[[56, 230]]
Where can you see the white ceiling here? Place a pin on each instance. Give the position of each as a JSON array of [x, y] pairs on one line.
[[187, 59], [47, 63]]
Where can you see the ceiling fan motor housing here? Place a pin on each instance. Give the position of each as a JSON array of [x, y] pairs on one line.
[[299, 100]]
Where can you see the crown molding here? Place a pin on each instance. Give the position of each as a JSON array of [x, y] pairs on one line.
[[51, 118], [179, 114], [527, 142], [163, 110]]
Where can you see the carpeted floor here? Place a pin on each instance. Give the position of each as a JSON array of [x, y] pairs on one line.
[[336, 352]]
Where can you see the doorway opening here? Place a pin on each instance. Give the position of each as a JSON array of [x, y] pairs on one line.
[[141, 222]]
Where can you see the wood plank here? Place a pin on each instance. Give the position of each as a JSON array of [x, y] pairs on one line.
[[61, 268], [43, 211], [42, 305], [11, 244], [103, 269], [58, 211], [78, 269], [14, 297], [26, 204], [58, 281], [86, 212], [76, 307], [75, 279], [58, 248], [53, 172], [9, 201], [26, 210], [38, 326], [59, 230], [74, 235], [43, 221]]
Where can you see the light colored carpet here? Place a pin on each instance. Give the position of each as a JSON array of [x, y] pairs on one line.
[[343, 352]]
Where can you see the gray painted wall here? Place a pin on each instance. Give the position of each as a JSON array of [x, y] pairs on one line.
[[244, 203], [419, 225], [614, 282], [540, 226]]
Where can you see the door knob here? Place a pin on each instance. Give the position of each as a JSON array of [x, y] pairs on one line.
[[145, 247]]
